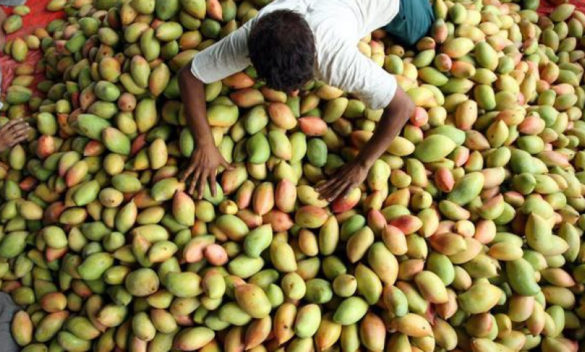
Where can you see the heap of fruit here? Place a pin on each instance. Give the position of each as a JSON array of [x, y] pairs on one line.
[[465, 237]]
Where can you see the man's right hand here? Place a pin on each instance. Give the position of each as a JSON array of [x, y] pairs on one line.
[[205, 161]]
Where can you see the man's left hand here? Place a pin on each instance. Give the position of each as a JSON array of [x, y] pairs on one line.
[[348, 177]]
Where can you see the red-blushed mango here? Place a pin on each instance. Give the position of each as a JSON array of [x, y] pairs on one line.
[[413, 325], [159, 79], [310, 216], [215, 254], [239, 80], [116, 141], [444, 179], [408, 224], [22, 328], [257, 332], [184, 208], [431, 287], [346, 202], [462, 69], [263, 198], [282, 116], [193, 251], [394, 239], [457, 47], [373, 332], [284, 322], [466, 115], [247, 97], [232, 179], [443, 63], [313, 126], [285, 196], [110, 69], [192, 339], [252, 300], [328, 333], [448, 243]]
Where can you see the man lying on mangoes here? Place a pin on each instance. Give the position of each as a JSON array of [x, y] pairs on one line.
[[291, 42]]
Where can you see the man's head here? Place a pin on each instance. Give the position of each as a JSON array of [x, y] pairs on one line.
[[282, 50]]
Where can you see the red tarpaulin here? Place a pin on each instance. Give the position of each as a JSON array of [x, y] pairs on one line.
[[40, 17], [546, 6]]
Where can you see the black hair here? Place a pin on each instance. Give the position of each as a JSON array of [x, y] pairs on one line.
[[282, 49]]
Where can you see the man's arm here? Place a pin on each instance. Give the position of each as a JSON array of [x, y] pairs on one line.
[[355, 172], [224, 58], [353, 72], [206, 158]]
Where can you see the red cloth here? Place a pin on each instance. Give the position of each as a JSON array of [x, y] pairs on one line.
[[547, 6], [38, 17]]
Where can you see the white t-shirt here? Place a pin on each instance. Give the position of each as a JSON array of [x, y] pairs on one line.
[[337, 27]]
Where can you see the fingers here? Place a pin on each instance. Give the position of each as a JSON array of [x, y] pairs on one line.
[[18, 138], [332, 187], [343, 189], [227, 165], [14, 132], [213, 182], [194, 181], [11, 123], [187, 173], [19, 129], [19, 123], [201, 184], [338, 176], [348, 189], [326, 186]]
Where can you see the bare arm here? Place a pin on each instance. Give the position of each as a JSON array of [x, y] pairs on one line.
[[193, 96], [355, 172], [395, 117], [206, 158]]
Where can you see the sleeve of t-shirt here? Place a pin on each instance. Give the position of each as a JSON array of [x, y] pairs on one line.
[[224, 58], [353, 72]]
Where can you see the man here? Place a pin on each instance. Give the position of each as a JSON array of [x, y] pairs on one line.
[[293, 41]]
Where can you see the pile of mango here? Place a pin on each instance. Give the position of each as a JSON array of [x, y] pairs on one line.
[[466, 236]]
